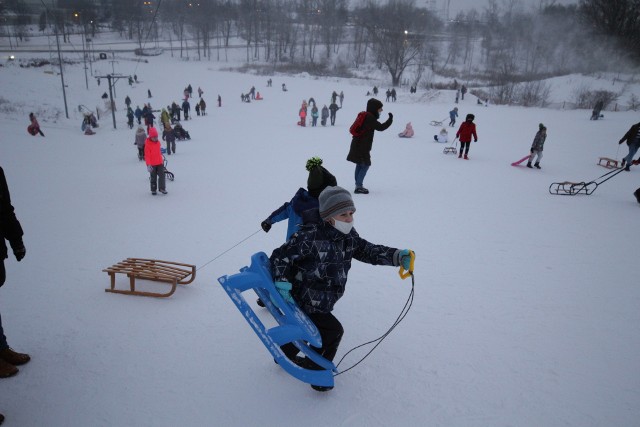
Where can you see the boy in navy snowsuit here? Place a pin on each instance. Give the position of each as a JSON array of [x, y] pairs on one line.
[[311, 269]]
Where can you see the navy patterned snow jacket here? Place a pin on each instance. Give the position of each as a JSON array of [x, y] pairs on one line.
[[316, 261]]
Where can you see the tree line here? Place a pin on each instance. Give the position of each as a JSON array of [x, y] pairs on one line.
[[502, 44]]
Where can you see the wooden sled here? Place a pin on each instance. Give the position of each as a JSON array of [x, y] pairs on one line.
[[450, 150], [608, 163], [174, 273]]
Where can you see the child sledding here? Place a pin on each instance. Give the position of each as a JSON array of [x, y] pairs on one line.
[[180, 132]]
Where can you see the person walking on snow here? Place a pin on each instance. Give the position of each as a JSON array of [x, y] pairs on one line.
[[633, 141], [452, 116], [360, 150], [185, 109], [11, 231], [155, 162], [169, 136], [141, 137], [465, 132], [311, 269], [333, 108], [325, 115], [537, 146], [314, 115]]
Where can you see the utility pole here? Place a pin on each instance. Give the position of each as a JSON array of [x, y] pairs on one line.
[[112, 79], [64, 93]]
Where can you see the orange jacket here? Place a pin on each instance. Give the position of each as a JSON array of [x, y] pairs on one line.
[[152, 153]]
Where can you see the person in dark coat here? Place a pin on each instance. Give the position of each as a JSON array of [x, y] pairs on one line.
[[169, 136], [11, 230], [360, 151], [185, 109], [538, 146], [333, 108], [324, 116], [633, 141], [138, 114], [311, 269]]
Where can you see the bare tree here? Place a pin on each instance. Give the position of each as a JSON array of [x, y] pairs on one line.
[[397, 32]]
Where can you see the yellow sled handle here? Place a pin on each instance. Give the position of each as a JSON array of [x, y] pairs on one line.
[[404, 273]]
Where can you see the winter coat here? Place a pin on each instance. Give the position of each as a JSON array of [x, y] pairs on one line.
[[152, 153], [138, 113], [316, 261], [407, 132], [360, 150], [303, 112], [631, 136], [325, 113], [10, 228], [314, 112], [453, 114], [294, 210], [333, 107], [141, 136], [186, 106], [466, 131], [168, 135], [164, 116], [538, 141]]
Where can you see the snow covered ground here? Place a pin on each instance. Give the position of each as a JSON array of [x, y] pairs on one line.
[[526, 304]]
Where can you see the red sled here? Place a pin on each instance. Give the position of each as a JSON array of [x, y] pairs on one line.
[[32, 130], [520, 161]]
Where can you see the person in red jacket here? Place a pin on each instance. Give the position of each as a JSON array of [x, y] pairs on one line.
[[155, 162], [466, 131]]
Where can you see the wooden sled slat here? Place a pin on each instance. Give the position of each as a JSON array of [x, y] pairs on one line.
[[174, 273], [608, 163]]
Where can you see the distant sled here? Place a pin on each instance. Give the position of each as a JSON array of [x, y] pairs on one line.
[[293, 325]]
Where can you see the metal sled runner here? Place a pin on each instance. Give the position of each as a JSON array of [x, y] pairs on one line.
[[293, 325], [155, 270], [568, 188]]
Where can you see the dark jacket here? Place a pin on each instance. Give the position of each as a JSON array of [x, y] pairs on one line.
[[360, 150], [631, 135], [316, 261], [10, 228]]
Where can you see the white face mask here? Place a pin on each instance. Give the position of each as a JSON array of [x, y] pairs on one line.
[[343, 227]]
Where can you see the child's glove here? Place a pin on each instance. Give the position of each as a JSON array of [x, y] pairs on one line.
[[266, 225], [391, 116], [284, 289], [406, 256]]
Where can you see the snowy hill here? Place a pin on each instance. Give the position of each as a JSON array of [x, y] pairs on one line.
[[526, 305]]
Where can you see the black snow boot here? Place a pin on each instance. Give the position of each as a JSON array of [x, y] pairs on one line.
[[537, 165], [529, 165]]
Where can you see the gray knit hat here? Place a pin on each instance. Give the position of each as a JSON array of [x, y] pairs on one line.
[[335, 201]]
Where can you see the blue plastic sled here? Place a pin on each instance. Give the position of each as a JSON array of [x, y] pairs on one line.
[[293, 325]]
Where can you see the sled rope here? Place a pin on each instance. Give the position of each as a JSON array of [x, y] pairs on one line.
[[400, 318], [218, 256]]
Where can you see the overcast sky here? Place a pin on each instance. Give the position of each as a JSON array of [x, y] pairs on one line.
[[456, 6]]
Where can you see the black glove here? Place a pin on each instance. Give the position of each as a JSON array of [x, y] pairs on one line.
[[532, 151], [391, 116], [266, 226], [19, 250]]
